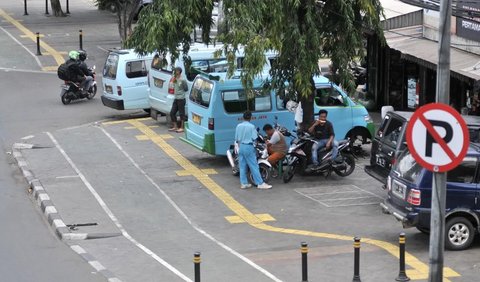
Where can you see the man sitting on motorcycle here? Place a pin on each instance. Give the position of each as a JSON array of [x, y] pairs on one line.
[[322, 130], [76, 74], [87, 83], [276, 145]]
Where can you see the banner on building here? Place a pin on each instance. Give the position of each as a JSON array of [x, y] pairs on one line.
[[469, 27]]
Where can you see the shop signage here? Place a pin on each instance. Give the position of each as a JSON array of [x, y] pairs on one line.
[[469, 27]]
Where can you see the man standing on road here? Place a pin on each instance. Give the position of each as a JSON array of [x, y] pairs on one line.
[[245, 136], [323, 132], [181, 87]]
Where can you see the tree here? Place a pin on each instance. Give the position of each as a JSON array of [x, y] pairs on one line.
[[125, 10], [57, 8], [301, 31]]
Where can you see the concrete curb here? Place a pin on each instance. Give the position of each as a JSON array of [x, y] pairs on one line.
[[53, 217]]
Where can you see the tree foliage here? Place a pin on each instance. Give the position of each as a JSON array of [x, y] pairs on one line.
[[125, 11], [301, 31]]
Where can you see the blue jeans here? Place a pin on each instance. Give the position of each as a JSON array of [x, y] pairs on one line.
[[247, 157], [320, 144]]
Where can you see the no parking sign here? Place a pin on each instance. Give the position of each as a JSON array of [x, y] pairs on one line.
[[437, 137]]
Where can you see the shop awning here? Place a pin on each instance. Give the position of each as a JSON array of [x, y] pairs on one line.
[[414, 47]]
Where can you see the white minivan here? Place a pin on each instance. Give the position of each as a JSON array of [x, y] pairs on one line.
[[125, 80]]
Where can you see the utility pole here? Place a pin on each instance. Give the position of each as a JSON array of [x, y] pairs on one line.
[[439, 189]]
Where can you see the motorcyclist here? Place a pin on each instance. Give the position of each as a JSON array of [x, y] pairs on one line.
[[87, 83], [322, 130]]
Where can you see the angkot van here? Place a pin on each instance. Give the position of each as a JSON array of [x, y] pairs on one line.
[[125, 80], [216, 107]]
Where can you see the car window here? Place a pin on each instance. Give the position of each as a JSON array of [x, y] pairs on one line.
[[463, 173], [328, 96], [111, 64], [238, 101], [201, 92], [136, 69], [390, 131], [406, 167]]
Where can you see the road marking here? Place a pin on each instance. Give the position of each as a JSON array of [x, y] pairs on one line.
[[236, 219], [23, 46], [420, 270], [112, 216], [56, 55]]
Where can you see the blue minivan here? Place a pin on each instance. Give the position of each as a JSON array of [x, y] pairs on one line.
[[409, 188], [216, 106]]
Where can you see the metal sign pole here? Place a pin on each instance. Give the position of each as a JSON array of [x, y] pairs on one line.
[[437, 221]]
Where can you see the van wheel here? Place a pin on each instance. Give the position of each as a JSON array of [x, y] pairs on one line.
[[459, 233]]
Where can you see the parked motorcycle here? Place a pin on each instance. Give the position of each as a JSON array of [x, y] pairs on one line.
[[298, 158], [71, 90]]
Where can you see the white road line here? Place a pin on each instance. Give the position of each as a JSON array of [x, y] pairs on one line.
[[67, 176], [24, 47], [180, 211], [112, 216]]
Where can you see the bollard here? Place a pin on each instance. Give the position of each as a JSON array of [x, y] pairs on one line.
[[356, 263], [38, 44], [25, 7], [80, 39], [46, 7], [68, 10], [196, 266], [402, 275], [304, 251]]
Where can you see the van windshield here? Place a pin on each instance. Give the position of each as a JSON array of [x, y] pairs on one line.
[[201, 92], [406, 166], [110, 68]]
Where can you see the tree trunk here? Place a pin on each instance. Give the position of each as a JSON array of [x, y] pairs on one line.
[[307, 107], [125, 19], [57, 8]]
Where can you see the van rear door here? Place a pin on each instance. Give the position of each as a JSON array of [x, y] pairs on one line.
[[134, 88]]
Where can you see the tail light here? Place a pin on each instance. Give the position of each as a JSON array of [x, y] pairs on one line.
[[171, 86], [119, 90], [414, 197], [211, 124], [393, 161]]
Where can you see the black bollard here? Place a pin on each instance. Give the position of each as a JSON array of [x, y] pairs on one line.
[[25, 7], [304, 251], [356, 263], [68, 10], [196, 266], [80, 39], [402, 275], [38, 44], [46, 7]]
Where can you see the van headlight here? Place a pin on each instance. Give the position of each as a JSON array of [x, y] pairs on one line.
[[367, 118]]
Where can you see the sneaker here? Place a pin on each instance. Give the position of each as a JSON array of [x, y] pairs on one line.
[[179, 130], [245, 186], [264, 186], [173, 129]]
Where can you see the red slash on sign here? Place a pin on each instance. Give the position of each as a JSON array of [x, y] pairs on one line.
[[437, 137]]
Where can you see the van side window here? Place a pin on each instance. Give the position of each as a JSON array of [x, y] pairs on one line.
[[201, 92], [463, 173], [238, 101], [136, 69], [157, 62], [328, 97]]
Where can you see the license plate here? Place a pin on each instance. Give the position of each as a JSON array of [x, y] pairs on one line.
[[108, 89], [380, 161], [158, 82], [196, 118], [399, 189]]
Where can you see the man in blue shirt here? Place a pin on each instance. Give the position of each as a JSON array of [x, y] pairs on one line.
[[245, 136]]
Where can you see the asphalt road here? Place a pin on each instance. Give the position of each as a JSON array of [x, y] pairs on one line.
[[160, 200]]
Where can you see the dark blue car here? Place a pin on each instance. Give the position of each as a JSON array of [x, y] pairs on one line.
[[409, 197]]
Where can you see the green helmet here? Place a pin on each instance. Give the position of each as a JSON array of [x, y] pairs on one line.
[[73, 55]]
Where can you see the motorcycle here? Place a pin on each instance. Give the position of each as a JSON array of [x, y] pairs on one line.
[[71, 90], [297, 159]]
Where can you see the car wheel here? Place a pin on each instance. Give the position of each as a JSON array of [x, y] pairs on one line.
[[459, 233]]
